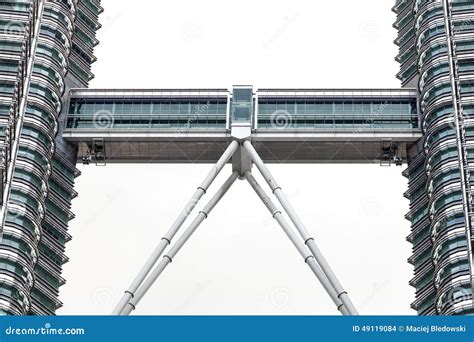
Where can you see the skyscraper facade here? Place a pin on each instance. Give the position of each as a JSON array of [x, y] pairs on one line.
[[48, 120], [436, 47], [46, 48]]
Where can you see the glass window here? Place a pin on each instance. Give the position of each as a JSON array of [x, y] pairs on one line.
[[242, 94], [127, 108]]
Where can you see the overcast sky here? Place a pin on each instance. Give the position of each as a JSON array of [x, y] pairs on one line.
[[239, 261]]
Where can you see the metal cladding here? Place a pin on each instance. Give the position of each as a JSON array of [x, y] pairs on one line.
[[38, 206], [46, 50], [436, 40]]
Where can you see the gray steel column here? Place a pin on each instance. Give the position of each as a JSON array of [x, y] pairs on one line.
[[308, 258], [166, 240], [308, 239], [168, 258]]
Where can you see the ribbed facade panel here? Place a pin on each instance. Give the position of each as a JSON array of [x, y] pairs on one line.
[[439, 176], [39, 208]]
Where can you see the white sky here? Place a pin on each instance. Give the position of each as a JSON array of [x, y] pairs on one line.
[[239, 261]]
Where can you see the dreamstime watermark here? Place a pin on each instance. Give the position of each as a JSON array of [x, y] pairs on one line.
[[188, 301], [19, 210], [370, 207], [370, 30], [377, 288], [110, 198], [454, 296], [16, 210], [47, 330], [108, 20], [464, 25], [193, 31], [281, 119], [199, 110], [287, 22], [375, 113], [103, 119], [14, 28], [281, 297], [189, 207], [444, 222], [103, 297]]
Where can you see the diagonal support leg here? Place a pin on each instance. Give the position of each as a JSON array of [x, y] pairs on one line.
[[166, 240], [308, 258], [309, 240], [168, 258]]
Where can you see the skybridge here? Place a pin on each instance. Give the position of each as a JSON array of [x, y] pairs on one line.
[[243, 127], [287, 125]]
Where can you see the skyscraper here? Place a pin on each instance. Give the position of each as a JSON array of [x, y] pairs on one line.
[[49, 121], [46, 48], [436, 40]]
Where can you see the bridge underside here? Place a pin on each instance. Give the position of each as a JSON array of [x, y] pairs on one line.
[[207, 150]]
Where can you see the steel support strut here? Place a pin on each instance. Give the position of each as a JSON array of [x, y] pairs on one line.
[[308, 239], [307, 256], [168, 258], [166, 240]]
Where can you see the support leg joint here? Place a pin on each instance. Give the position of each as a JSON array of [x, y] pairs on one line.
[[308, 257], [340, 294], [275, 189]]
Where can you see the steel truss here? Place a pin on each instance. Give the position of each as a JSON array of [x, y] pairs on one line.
[[304, 243]]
